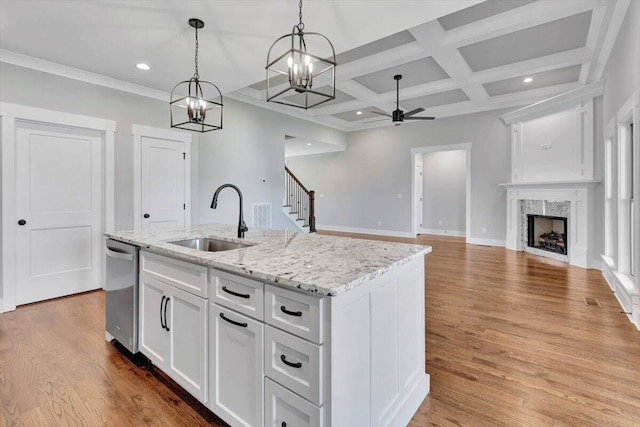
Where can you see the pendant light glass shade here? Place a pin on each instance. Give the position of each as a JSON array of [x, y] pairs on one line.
[[301, 69], [196, 105]]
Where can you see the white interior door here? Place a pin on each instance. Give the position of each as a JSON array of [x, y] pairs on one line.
[[59, 206], [419, 195], [162, 183]]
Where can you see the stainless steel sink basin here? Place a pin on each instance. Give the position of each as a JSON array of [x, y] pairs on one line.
[[209, 245]]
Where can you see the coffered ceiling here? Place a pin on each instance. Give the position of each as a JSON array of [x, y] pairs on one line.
[[456, 57], [471, 60]]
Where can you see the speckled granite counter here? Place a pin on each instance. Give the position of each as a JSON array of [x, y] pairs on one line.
[[328, 265]]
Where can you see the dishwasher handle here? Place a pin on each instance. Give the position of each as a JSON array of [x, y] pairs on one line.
[[119, 255]]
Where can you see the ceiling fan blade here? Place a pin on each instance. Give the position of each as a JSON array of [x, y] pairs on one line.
[[374, 121], [419, 118], [412, 112], [382, 114]]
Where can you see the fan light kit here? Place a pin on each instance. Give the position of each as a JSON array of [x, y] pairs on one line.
[[291, 75], [398, 116], [196, 105]]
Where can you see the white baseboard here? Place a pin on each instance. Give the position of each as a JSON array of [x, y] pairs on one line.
[[373, 231], [486, 242], [436, 232], [624, 291]]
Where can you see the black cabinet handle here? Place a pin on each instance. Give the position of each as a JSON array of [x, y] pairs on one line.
[[224, 288], [243, 325], [22, 222], [283, 424], [290, 313], [166, 324], [146, 215], [161, 321], [293, 365]]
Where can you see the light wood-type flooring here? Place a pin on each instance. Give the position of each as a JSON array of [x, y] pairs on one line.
[[509, 342]]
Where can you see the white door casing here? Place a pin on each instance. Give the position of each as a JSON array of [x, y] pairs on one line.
[[59, 202], [11, 116], [414, 189], [162, 177], [419, 193]]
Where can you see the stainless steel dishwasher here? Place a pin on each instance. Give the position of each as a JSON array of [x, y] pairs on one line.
[[121, 309]]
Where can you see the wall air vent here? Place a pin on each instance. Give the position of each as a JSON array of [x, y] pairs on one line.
[[261, 215]]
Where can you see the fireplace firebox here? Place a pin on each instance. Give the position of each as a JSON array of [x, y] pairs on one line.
[[548, 233]]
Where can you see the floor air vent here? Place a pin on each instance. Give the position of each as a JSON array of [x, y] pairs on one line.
[[261, 215], [593, 302]]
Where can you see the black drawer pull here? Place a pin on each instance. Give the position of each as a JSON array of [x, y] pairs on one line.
[[290, 313], [161, 304], [224, 288], [244, 325], [166, 324], [283, 424], [293, 365]]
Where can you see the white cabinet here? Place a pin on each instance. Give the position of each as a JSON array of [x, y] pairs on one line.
[[284, 408], [236, 374], [173, 332]]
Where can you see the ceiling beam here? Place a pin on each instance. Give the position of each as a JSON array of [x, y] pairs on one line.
[[430, 36], [619, 12], [593, 36], [527, 16]]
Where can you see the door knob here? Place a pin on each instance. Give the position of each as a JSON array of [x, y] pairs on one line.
[[22, 222], [146, 215]]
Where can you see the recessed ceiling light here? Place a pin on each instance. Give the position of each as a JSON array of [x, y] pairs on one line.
[[142, 66], [359, 112], [527, 80], [308, 143]]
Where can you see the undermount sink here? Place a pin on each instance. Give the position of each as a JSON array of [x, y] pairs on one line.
[[209, 245]]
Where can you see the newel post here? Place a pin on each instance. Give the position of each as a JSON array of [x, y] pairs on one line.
[[312, 211]]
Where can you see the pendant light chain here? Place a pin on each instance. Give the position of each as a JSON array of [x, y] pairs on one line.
[[300, 24], [196, 75]]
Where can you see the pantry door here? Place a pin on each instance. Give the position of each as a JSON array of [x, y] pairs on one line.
[[59, 212], [161, 177]]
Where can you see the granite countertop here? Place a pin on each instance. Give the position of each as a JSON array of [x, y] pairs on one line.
[[327, 265]]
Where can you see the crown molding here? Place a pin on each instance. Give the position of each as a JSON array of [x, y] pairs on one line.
[[556, 103], [37, 64]]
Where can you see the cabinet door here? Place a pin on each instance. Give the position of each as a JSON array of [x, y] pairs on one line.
[[236, 367], [187, 323], [154, 338]]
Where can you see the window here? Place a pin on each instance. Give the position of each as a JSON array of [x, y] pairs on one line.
[[627, 172], [610, 195]]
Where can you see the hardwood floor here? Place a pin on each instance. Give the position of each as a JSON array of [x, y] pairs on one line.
[[509, 341]]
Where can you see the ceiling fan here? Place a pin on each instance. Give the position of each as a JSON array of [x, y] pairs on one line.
[[398, 116]]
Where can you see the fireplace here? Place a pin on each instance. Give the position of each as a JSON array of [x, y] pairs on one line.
[[548, 233]]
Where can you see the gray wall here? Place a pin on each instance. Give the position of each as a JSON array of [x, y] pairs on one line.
[[361, 185], [249, 148], [444, 190]]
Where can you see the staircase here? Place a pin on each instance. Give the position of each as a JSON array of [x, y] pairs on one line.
[[299, 203]]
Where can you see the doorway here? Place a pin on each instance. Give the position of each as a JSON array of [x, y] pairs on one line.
[[444, 171], [162, 177], [57, 200]]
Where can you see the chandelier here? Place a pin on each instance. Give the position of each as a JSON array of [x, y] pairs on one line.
[[196, 105], [295, 76]]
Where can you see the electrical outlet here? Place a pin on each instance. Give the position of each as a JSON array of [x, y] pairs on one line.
[[546, 147], [321, 195], [379, 223], [399, 195], [484, 230], [440, 222]]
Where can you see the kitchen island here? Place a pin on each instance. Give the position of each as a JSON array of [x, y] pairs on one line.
[[292, 329]]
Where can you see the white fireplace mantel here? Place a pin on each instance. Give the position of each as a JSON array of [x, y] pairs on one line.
[[580, 196]]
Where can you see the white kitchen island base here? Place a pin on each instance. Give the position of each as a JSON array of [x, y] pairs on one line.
[[324, 332]]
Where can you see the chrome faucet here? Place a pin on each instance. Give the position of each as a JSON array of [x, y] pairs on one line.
[[242, 227]]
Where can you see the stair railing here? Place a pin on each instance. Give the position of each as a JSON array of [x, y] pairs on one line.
[[300, 200]]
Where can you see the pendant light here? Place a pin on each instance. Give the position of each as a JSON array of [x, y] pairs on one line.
[[297, 77], [196, 105]]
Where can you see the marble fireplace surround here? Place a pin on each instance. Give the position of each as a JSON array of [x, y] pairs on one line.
[[579, 194], [561, 209]]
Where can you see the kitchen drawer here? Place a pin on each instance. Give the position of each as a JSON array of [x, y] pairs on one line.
[[238, 293], [295, 312], [286, 409], [294, 363], [183, 275]]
